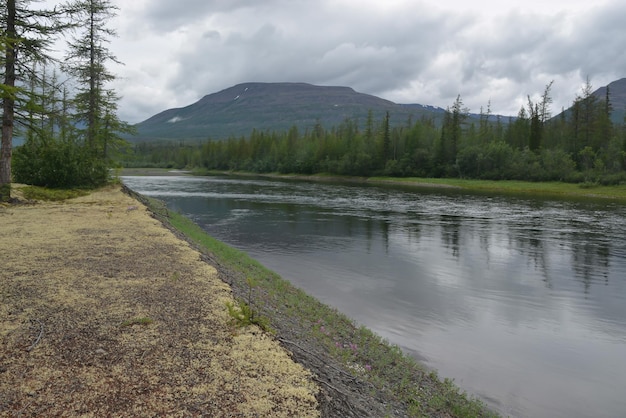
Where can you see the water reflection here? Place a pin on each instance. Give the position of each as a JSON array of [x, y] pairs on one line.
[[522, 301]]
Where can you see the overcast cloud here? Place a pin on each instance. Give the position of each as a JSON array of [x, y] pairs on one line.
[[426, 52]]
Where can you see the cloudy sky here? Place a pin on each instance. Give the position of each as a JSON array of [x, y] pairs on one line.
[[407, 51]]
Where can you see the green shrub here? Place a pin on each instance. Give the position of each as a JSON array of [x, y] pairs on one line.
[[58, 164], [558, 164], [613, 179]]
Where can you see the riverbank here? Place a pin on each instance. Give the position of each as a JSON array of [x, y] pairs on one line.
[[119, 346], [511, 187]]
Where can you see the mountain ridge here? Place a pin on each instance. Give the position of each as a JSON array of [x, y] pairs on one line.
[[237, 110], [617, 96]]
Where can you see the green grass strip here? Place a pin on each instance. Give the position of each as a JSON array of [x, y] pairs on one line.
[[555, 189]]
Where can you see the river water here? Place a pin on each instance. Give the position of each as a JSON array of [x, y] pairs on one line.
[[520, 300]]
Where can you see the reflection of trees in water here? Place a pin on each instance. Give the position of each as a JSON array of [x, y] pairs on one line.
[[372, 226], [414, 231], [537, 232], [538, 252], [484, 238], [369, 233], [591, 260], [531, 243], [293, 214], [384, 227], [450, 233], [531, 240], [590, 256]]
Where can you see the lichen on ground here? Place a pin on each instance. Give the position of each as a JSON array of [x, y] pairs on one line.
[[104, 312]]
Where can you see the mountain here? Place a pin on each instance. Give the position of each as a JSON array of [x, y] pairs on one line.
[[617, 97], [237, 110]]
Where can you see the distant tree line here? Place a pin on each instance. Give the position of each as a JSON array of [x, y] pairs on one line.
[[579, 145], [69, 126]]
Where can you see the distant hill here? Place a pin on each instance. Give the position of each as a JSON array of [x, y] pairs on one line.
[[237, 110], [617, 97]]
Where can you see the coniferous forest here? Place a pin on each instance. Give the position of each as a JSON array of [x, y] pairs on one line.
[[67, 117], [581, 144]]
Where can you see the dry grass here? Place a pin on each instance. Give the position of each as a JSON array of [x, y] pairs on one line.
[[104, 312]]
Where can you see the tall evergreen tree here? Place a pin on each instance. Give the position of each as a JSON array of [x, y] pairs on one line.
[[369, 127], [539, 115], [544, 105], [536, 128], [454, 130], [588, 116], [605, 125], [87, 60], [26, 36], [518, 130], [484, 128], [386, 139]]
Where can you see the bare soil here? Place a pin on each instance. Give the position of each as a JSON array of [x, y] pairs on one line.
[[105, 312]]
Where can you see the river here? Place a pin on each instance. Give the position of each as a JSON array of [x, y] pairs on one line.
[[520, 300]]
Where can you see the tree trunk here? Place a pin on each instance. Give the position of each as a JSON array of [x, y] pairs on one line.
[[8, 104]]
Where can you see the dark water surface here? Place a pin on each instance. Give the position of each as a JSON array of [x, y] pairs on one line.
[[522, 301]]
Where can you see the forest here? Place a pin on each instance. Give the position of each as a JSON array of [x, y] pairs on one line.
[[67, 116], [579, 145]]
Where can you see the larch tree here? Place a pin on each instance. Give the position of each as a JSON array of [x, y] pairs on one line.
[[86, 60], [386, 152], [544, 105], [458, 116], [536, 127], [589, 111], [539, 115], [25, 37]]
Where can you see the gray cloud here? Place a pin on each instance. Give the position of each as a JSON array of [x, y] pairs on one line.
[[362, 51], [405, 51], [169, 15]]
